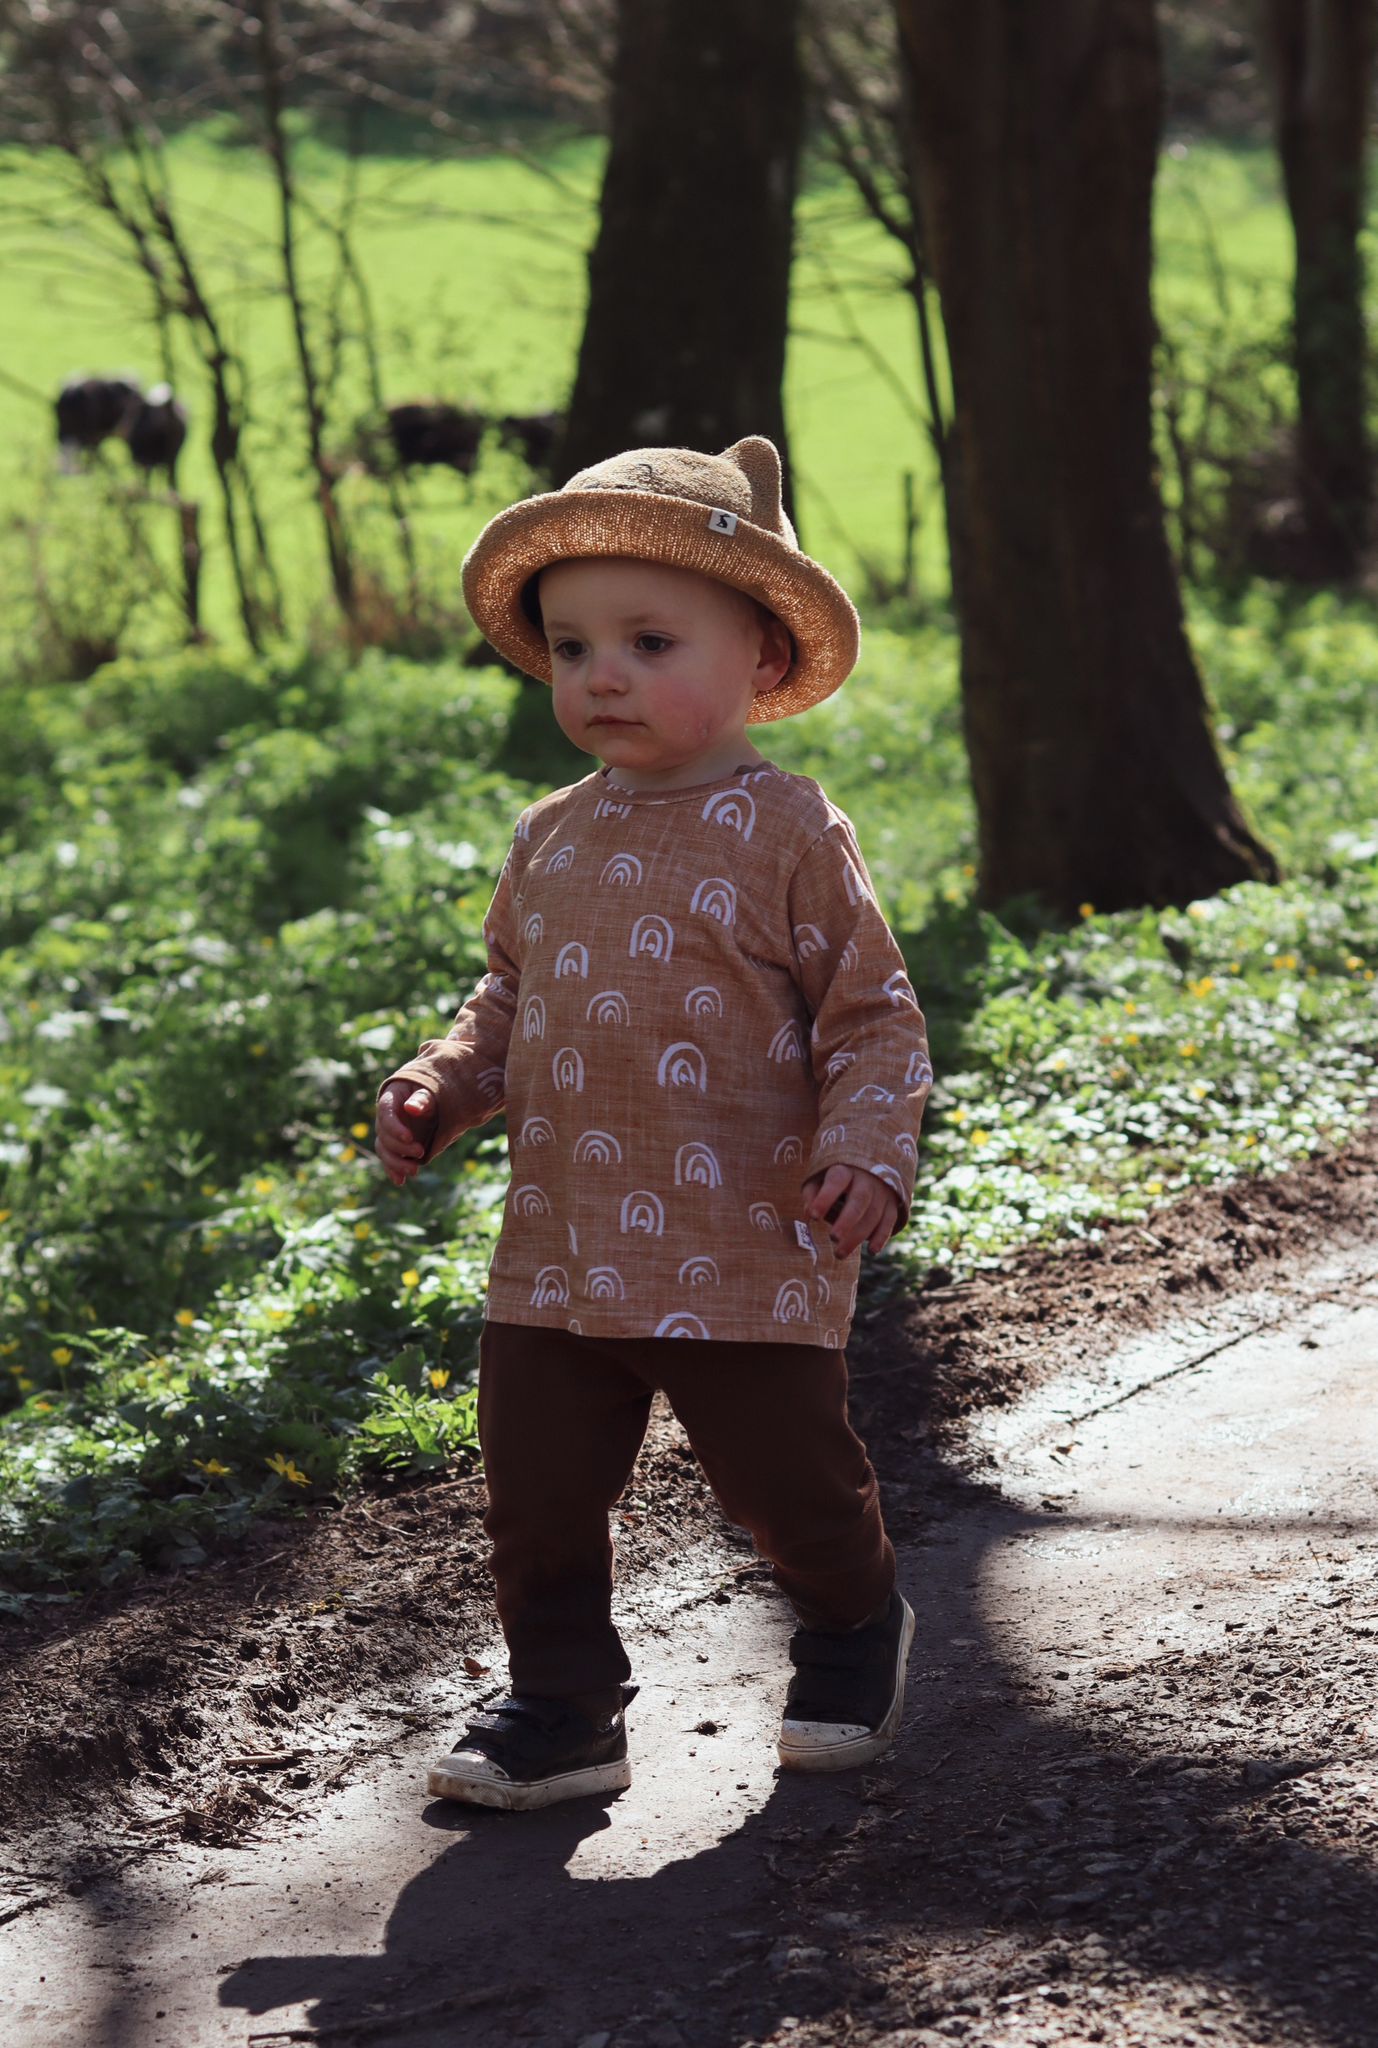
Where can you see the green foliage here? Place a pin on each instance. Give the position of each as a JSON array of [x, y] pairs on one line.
[[232, 897]]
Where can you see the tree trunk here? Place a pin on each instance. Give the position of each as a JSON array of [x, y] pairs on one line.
[[1094, 767], [684, 341], [1319, 55]]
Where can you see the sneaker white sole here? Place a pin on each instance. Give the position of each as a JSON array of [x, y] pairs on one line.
[[812, 1755], [456, 1778]]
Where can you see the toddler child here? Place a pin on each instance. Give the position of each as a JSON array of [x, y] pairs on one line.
[[713, 1069]]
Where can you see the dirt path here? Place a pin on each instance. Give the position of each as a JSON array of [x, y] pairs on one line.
[[1136, 1800]]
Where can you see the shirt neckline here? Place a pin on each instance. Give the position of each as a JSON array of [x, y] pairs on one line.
[[618, 794]]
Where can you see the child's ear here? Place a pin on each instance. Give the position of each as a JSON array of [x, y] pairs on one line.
[[777, 650]]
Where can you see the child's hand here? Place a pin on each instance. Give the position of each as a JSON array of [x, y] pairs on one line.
[[866, 1208], [406, 1123]]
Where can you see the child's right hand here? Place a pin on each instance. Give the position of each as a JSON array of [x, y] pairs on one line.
[[405, 1126]]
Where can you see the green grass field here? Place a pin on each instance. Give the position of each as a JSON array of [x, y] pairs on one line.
[[476, 268]]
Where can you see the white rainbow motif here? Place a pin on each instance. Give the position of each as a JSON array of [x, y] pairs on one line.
[[696, 1165], [899, 988], [604, 1283], [787, 1044], [764, 1216], [596, 1148], [529, 1200], [789, 1152], [918, 1073], [892, 1179], [642, 1210], [680, 1324], [622, 868], [654, 936], [791, 1302], [848, 957], [537, 1130], [562, 858], [608, 807], [523, 830], [872, 1092], [836, 1134], [808, 940], [905, 1145], [492, 1084], [533, 1018], [609, 1006], [831, 1340], [838, 1063], [822, 1292], [704, 1001], [734, 807], [716, 897], [533, 931], [567, 1069], [857, 891], [572, 958], [552, 1284], [573, 1240], [699, 1271], [682, 1065], [576, 1326]]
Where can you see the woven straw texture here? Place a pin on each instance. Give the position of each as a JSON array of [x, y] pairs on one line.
[[667, 505]]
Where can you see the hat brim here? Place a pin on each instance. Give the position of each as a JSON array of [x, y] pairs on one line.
[[646, 526]]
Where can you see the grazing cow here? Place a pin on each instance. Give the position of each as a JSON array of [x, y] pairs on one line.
[[532, 435], [89, 410], [427, 431], [156, 432]]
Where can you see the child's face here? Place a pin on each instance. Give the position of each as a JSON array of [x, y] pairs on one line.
[[655, 668]]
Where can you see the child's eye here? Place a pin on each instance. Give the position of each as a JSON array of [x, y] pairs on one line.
[[568, 650], [652, 643]]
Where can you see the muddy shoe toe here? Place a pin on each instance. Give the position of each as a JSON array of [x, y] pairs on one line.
[[528, 1752]]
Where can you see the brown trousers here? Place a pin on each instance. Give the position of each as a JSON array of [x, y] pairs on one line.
[[561, 1418]]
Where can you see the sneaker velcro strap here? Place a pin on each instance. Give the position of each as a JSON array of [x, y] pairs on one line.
[[815, 1651]]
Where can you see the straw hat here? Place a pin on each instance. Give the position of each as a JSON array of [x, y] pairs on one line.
[[719, 514]]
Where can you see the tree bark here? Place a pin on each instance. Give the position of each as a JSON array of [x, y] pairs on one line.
[[1094, 767], [684, 340], [1319, 56]]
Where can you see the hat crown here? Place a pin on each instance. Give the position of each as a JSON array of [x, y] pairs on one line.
[[744, 479]]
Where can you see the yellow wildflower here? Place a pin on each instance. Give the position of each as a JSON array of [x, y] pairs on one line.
[[310, 1308], [24, 1385], [1352, 962], [212, 1467], [1130, 1007], [5, 1215], [363, 1230], [1200, 1091], [185, 1317], [411, 1278], [61, 1355], [348, 1153], [980, 1137], [1153, 1187], [208, 1187], [968, 869], [959, 1115], [358, 1130], [257, 1051], [285, 1469], [10, 1344], [42, 1407], [1086, 910], [1189, 1049], [439, 1377], [1202, 987], [1251, 1139], [263, 1186], [1197, 910]]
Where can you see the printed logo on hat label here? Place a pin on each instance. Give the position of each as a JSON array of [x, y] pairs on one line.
[[722, 522]]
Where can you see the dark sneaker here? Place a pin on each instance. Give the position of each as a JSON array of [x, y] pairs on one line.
[[528, 1752], [847, 1693]]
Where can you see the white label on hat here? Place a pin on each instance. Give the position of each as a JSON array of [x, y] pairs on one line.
[[722, 522]]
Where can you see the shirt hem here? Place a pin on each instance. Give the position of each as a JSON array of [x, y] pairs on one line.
[[591, 1324]]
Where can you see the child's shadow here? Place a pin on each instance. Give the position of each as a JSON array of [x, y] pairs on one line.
[[501, 1912]]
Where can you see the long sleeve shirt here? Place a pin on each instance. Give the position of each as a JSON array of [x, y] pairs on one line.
[[693, 1004]]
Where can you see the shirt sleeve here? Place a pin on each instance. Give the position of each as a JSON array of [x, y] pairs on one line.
[[868, 1044], [466, 1070]]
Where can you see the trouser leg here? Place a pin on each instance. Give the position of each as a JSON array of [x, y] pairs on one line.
[[769, 1425], [560, 1423]]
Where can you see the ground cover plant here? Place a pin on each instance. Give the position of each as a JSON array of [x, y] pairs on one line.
[[233, 894]]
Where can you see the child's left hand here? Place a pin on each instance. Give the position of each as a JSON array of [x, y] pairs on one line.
[[869, 1210]]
